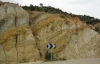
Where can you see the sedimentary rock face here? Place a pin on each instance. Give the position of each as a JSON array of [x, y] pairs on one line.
[[72, 37], [17, 43], [23, 38]]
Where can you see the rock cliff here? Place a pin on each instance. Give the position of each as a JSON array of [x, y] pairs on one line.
[[24, 36], [17, 43]]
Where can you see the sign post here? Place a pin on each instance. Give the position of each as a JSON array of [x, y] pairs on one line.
[[51, 54], [51, 46]]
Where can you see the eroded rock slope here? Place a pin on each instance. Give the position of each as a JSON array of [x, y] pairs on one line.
[[17, 43], [24, 36]]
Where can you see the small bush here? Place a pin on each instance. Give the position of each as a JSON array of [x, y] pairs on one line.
[[48, 56], [64, 58], [97, 29]]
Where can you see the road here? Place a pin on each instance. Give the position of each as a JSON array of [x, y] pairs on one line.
[[74, 61]]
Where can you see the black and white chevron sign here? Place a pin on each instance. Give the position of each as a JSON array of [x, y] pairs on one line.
[[51, 46]]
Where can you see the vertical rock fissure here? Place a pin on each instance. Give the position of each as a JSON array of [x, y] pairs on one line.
[[16, 47], [15, 21], [39, 50], [37, 46], [4, 53], [16, 35]]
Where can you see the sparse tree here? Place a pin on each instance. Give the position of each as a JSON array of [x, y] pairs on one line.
[[41, 5]]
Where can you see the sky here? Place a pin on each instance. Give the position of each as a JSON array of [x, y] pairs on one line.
[[79, 7]]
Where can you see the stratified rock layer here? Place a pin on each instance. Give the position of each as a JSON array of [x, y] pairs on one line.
[[17, 42], [23, 38], [72, 37]]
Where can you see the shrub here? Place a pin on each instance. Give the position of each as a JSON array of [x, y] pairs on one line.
[[48, 56]]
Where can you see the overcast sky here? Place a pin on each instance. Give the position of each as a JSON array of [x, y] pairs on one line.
[[81, 7]]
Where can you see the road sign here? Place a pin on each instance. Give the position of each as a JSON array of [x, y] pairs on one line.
[[51, 46]]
